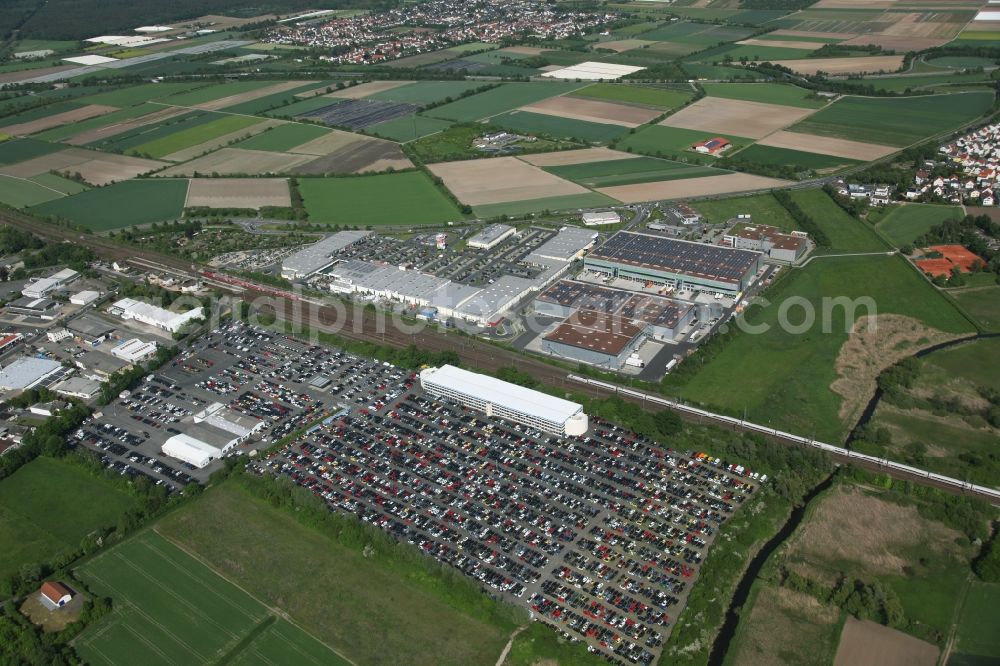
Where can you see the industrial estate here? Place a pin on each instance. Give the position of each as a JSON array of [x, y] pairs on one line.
[[500, 332]]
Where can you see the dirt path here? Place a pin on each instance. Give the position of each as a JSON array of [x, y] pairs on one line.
[[510, 644], [955, 618], [274, 611]]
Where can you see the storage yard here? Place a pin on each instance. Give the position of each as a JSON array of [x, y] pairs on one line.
[[604, 536]]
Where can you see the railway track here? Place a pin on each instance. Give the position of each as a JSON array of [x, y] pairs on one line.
[[364, 325]]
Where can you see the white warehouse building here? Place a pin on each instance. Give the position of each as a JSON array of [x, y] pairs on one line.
[[500, 399], [128, 308]]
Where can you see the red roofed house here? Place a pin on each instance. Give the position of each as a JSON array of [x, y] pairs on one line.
[[712, 146], [55, 594]]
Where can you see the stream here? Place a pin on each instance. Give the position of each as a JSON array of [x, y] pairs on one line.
[[728, 630]]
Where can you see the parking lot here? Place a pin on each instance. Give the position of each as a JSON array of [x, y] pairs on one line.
[[468, 266], [286, 383], [601, 536]]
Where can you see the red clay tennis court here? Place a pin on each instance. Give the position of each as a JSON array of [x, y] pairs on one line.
[[952, 256]]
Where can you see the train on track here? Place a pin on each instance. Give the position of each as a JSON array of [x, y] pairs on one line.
[[987, 493]]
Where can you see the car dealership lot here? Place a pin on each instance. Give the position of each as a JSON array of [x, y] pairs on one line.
[[601, 537], [286, 383]]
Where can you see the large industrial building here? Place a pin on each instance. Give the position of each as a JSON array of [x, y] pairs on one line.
[[172, 322], [604, 326], [484, 306], [316, 257], [500, 399], [764, 238], [595, 338], [491, 236], [676, 263], [45, 286], [28, 372], [214, 433]]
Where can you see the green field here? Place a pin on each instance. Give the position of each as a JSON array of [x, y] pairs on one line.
[[983, 305], [629, 171], [846, 233], [302, 106], [560, 128], [763, 208], [171, 609], [567, 202], [21, 192], [38, 524], [662, 98], [498, 100], [363, 608], [145, 92], [20, 150], [801, 161], [961, 62], [194, 135], [58, 183], [673, 142], [976, 361], [783, 377], [401, 199], [750, 52], [124, 204], [769, 93], [895, 122], [283, 137], [978, 642], [126, 141], [426, 92], [940, 82], [409, 128], [905, 223]]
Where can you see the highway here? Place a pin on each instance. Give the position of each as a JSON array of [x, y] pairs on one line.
[[360, 324]]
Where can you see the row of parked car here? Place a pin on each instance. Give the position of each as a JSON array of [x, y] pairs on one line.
[[600, 536]]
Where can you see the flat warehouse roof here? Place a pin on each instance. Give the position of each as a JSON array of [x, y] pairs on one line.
[[491, 233], [318, 255], [596, 331], [586, 296], [565, 244], [518, 398], [708, 262], [647, 308]]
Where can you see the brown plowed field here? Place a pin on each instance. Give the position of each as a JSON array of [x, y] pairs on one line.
[[238, 161], [357, 157], [366, 89], [57, 119], [864, 643], [690, 187], [753, 120], [238, 192], [817, 35], [594, 111], [620, 45], [499, 180], [807, 46], [861, 65], [249, 96], [897, 43], [94, 167], [825, 145], [582, 156]]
